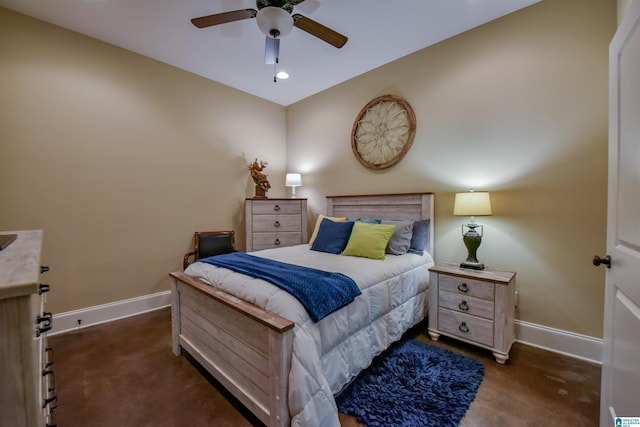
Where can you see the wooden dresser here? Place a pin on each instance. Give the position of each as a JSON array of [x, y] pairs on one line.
[[272, 223], [474, 306], [27, 388]]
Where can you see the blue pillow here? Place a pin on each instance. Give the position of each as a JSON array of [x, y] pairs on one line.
[[332, 236], [420, 236], [365, 220]]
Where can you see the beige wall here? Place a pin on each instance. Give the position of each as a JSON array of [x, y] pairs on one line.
[[518, 107], [120, 159]]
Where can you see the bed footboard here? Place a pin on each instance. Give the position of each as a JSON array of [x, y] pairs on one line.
[[247, 349]]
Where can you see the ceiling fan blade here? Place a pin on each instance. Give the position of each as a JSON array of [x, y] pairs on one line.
[[224, 17], [271, 50], [320, 31]]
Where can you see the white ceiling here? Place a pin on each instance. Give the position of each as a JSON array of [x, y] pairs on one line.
[[233, 53]]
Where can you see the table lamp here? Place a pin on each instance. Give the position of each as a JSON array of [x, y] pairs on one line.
[[473, 203], [293, 180]]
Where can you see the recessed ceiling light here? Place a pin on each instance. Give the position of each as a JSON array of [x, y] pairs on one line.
[[282, 75]]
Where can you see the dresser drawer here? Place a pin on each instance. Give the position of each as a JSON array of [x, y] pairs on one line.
[[265, 207], [272, 223], [466, 326], [466, 304], [466, 286], [275, 240], [23, 328], [276, 223]]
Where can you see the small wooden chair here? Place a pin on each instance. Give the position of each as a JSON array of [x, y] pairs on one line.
[[210, 243]]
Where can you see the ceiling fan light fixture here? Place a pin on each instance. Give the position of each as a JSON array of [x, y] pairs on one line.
[[271, 50], [273, 18]]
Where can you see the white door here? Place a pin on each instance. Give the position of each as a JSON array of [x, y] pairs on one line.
[[620, 389]]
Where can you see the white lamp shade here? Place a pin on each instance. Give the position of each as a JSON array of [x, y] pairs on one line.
[[274, 18], [473, 203], [293, 180]]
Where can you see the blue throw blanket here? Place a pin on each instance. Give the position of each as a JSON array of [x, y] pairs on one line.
[[320, 292]]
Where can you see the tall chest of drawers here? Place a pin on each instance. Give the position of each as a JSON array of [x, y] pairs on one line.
[[272, 223], [474, 306], [27, 389]]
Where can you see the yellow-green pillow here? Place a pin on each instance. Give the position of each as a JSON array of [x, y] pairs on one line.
[[369, 240], [319, 220]]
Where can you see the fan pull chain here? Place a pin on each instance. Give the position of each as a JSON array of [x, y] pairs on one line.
[[275, 33]]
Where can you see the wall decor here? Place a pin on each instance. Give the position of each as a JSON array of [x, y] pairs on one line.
[[383, 132]]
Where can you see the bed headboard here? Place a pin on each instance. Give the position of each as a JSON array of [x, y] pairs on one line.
[[410, 206]]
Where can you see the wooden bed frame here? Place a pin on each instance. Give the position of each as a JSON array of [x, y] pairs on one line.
[[248, 349]]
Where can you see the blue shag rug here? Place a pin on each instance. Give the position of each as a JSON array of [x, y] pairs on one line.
[[413, 384]]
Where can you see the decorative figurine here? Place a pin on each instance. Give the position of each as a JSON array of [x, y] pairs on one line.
[[262, 183]]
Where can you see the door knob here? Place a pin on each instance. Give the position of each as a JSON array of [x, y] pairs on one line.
[[606, 261]]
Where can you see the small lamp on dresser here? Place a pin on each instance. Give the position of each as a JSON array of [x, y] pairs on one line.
[[472, 204], [293, 180]]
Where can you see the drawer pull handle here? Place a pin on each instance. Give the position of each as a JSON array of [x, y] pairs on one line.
[[52, 380], [51, 392], [463, 287], [47, 319], [49, 400], [464, 306], [48, 353], [463, 327], [43, 288], [44, 269], [276, 224], [277, 242], [276, 208]]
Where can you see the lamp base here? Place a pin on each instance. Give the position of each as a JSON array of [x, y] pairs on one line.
[[472, 265], [472, 241]]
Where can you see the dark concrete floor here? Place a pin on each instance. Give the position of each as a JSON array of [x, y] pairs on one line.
[[123, 373]]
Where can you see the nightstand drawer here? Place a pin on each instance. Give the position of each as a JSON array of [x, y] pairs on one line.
[[466, 286], [265, 207], [276, 223], [466, 326], [476, 306], [275, 240], [466, 304]]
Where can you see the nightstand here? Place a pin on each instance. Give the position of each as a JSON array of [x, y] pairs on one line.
[[272, 223], [474, 306]]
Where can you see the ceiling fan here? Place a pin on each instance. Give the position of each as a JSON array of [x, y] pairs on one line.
[[275, 20]]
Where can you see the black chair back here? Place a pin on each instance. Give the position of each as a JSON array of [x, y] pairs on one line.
[[215, 244], [210, 243]]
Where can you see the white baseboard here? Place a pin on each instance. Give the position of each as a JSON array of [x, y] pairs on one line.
[[68, 321], [558, 341]]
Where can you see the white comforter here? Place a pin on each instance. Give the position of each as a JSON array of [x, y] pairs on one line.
[[330, 353]]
